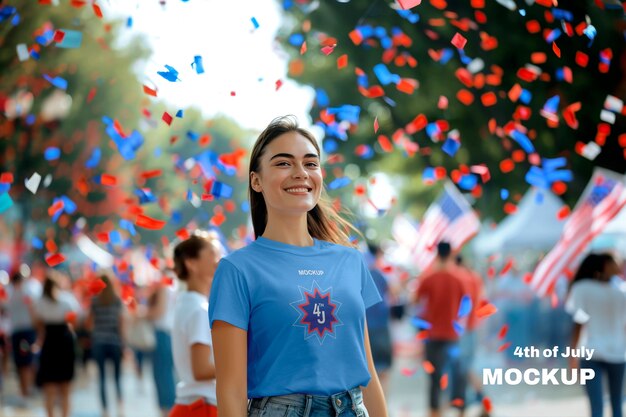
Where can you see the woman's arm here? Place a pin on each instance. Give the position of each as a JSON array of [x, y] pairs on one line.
[[231, 366], [201, 364], [373, 395], [573, 362]]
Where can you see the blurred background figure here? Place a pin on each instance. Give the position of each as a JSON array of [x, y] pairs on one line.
[[598, 307], [440, 291], [4, 349], [23, 293], [195, 262], [161, 313], [378, 318], [56, 363], [106, 321], [462, 375]]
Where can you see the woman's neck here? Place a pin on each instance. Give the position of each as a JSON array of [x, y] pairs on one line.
[[289, 230]]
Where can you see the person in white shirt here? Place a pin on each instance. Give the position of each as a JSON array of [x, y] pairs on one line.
[[598, 307], [195, 262]]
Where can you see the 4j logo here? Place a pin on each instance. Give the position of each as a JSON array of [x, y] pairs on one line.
[[317, 312]]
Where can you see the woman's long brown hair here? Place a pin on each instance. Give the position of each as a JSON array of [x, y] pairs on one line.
[[323, 221]]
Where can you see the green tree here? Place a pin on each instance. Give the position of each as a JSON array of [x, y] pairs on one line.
[[327, 23]]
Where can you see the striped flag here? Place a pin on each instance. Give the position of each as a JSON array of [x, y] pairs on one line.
[[602, 199], [449, 218]]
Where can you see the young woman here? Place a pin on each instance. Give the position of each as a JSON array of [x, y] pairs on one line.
[[56, 363], [288, 311], [598, 307], [106, 320], [195, 261]]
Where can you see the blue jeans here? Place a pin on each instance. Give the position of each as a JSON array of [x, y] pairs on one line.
[[101, 352], [163, 369], [615, 374], [343, 404], [441, 354]]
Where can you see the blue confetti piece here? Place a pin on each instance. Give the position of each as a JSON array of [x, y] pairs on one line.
[[68, 205], [245, 207], [535, 176], [6, 12], [157, 152], [553, 35], [504, 193], [389, 101], [339, 183], [72, 39], [34, 54], [330, 145], [179, 114], [129, 22], [428, 174], [52, 153], [219, 189], [30, 119], [408, 15], [115, 238], [525, 96], [321, 98], [468, 182], [5, 202], [552, 104], [458, 328], [367, 152], [523, 141], [551, 164], [590, 32], [170, 75], [94, 159], [36, 243], [177, 217], [562, 14], [194, 136], [197, 64], [446, 56], [451, 146], [189, 195], [465, 307], [539, 198], [255, 23], [4, 187], [564, 175], [421, 324], [432, 129], [58, 82], [384, 75], [145, 195], [16, 19], [129, 226], [296, 39]]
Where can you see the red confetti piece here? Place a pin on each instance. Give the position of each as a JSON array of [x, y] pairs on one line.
[[556, 49], [465, 97], [149, 91], [407, 371], [356, 37], [489, 99], [507, 165], [97, 11], [96, 286], [457, 402], [510, 208], [459, 41], [107, 179], [503, 331], [487, 404], [54, 259], [478, 4], [409, 4], [507, 267], [428, 367], [559, 188], [504, 347], [443, 382], [6, 178], [563, 213], [303, 48], [70, 317], [58, 36], [92, 94], [385, 143], [218, 219], [149, 223], [151, 174], [376, 124], [279, 83], [342, 61], [327, 50], [53, 209], [167, 118], [233, 94], [485, 311], [182, 234], [442, 103], [406, 86], [51, 246]]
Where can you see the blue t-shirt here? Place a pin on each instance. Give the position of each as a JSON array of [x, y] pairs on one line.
[[304, 311], [378, 315]]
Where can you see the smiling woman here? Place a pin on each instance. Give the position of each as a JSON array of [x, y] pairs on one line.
[[288, 310]]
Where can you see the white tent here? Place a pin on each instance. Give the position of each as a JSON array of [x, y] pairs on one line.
[[533, 226]]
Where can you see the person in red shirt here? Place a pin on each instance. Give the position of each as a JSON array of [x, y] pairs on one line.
[[439, 294]]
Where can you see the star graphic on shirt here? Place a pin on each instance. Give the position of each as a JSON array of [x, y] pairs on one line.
[[317, 312]]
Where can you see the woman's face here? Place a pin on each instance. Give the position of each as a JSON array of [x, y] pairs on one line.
[[290, 177]]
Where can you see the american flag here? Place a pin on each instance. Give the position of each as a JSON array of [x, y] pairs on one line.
[[449, 218], [602, 199]]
